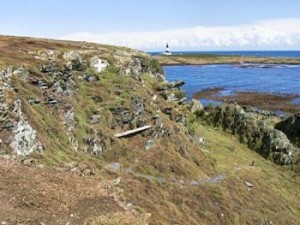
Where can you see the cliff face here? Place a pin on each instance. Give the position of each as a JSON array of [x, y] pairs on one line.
[[64, 108]]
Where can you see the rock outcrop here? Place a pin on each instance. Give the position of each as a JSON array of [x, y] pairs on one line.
[[291, 127], [253, 131]]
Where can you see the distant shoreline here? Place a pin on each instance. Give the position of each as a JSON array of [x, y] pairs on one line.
[[209, 59]]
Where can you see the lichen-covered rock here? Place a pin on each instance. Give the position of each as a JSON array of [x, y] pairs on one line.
[[23, 139], [98, 64], [291, 127], [72, 55], [255, 133], [195, 105]]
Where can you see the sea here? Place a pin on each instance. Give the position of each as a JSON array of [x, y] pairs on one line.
[[275, 79]]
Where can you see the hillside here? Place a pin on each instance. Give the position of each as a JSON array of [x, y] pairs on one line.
[[63, 106]]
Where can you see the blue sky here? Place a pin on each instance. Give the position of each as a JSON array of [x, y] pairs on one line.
[[186, 24]]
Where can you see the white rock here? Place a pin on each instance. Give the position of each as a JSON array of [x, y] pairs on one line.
[[248, 184], [98, 64]]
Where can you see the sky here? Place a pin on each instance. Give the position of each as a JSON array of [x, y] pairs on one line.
[[149, 24]]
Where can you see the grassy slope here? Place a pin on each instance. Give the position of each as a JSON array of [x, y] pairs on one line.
[[162, 182]]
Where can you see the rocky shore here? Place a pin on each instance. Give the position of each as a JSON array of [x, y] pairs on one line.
[[208, 59], [265, 101]]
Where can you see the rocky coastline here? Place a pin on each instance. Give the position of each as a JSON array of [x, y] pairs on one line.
[[209, 59], [94, 134], [260, 100]]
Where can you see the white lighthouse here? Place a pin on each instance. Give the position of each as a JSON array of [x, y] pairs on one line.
[[167, 52]]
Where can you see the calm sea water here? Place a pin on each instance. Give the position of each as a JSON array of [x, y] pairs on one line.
[[281, 79], [276, 54]]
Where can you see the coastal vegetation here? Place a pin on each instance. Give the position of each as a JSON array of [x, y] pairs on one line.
[[62, 104]]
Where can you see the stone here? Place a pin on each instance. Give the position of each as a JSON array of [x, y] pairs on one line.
[[248, 184], [180, 118], [49, 68], [77, 65], [195, 106], [90, 78], [201, 141], [114, 167], [149, 145], [51, 101], [29, 162], [137, 104], [23, 140], [172, 97], [252, 131], [71, 55], [21, 72], [33, 101], [98, 64], [88, 172], [93, 119], [175, 84], [291, 127], [167, 110]]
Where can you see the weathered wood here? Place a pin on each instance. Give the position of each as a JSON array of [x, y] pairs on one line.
[[134, 131]]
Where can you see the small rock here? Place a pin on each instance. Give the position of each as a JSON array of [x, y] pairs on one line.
[[149, 145], [154, 97], [194, 183], [90, 78], [33, 101], [180, 118], [201, 140], [176, 84], [172, 98], [29, 162], [167, 110], [117, 181], [88, 172], [115, 167], [248, 184], [98, 64], [93, 119], [195, 106]]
